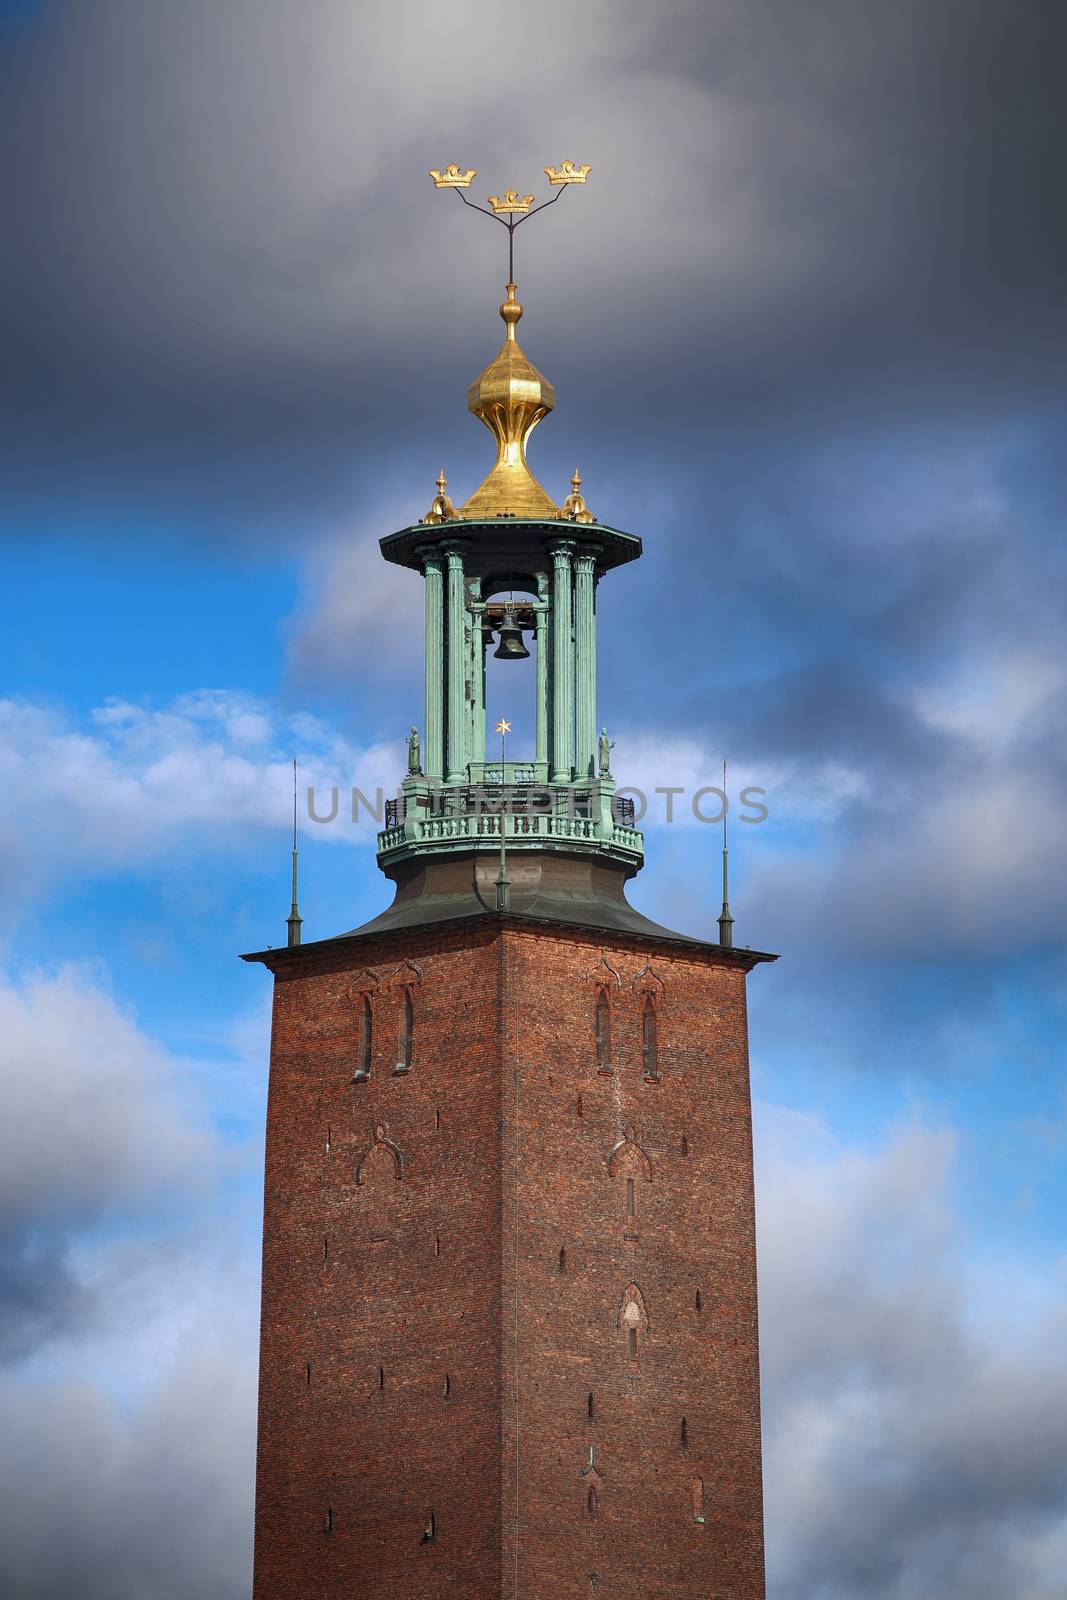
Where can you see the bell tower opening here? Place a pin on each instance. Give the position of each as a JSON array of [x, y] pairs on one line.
[[513, 642]]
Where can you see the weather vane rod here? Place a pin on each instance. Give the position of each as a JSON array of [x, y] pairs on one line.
[[510, 208], [503, 882]]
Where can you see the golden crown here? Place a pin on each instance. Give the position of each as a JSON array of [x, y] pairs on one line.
[[511, 203], [452, 178], [567, 172]]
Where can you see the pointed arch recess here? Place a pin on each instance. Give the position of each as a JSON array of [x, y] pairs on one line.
[[391, 1149], [633, 1313], [650, 1038], [364, 1038], [629, 1145], [602, 1030], [405, 1032]]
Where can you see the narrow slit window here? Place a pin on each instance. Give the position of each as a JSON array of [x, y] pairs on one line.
[[649, 1045], [630, 1207], [562, 1259], [308, 1382], [685, 1145], [699, 1301], [407, 1028], [326, 1249], [327, 1521], [448, 1385], [579, 1108], [589, 1406], [437, 1244], [437, 1120], [429, 1531], [591, 1503], [698, 1499], [366, 1035], [684, 1433], [631, 1343], [329, 1141], [381, 1377], [603, 1033]]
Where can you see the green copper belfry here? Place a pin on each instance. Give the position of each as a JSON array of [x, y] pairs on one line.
[[560, 793], [510, 539]]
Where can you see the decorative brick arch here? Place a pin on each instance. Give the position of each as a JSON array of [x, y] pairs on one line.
[[602, 975], [628, 1145], [367, 982], [648, 982], [405, 976], [392, 1152]]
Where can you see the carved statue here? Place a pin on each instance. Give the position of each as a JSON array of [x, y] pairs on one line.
[[414, 753], [604, 748]]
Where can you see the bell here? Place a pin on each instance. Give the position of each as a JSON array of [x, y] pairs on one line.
[[510, 646]]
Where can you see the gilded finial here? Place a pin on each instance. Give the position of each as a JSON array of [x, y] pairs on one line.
[[511, 203], [510, 397], [567, 172], [453, 178], [442, 508], [574, 507]]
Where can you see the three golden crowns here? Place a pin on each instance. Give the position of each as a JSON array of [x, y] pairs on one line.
[[511, 396], [510, 203]]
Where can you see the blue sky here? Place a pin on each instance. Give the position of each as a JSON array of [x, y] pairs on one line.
[[805, 324]]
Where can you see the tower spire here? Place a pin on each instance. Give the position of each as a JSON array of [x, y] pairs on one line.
[[726, 921], [294, 918]]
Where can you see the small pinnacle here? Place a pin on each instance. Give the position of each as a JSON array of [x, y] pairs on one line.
[[294, 919]]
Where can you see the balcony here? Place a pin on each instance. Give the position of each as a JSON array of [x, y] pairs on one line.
[[534, 817]]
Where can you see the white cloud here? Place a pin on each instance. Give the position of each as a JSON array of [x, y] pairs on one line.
[[95, 1110], [992, 699], [906, 1453], [650, 759], [111, 1502], [209, 769], [128, 1300]]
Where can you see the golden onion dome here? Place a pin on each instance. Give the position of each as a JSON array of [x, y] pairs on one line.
[[510, 397]]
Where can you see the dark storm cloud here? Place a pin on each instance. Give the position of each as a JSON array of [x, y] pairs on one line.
[[228, 266], [40, 1298]]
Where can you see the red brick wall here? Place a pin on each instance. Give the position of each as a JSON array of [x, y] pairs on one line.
[[382, 1457], [692, 1229], [503, 1047]]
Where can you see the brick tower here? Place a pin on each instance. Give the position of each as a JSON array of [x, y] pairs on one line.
[[509, 1335]]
